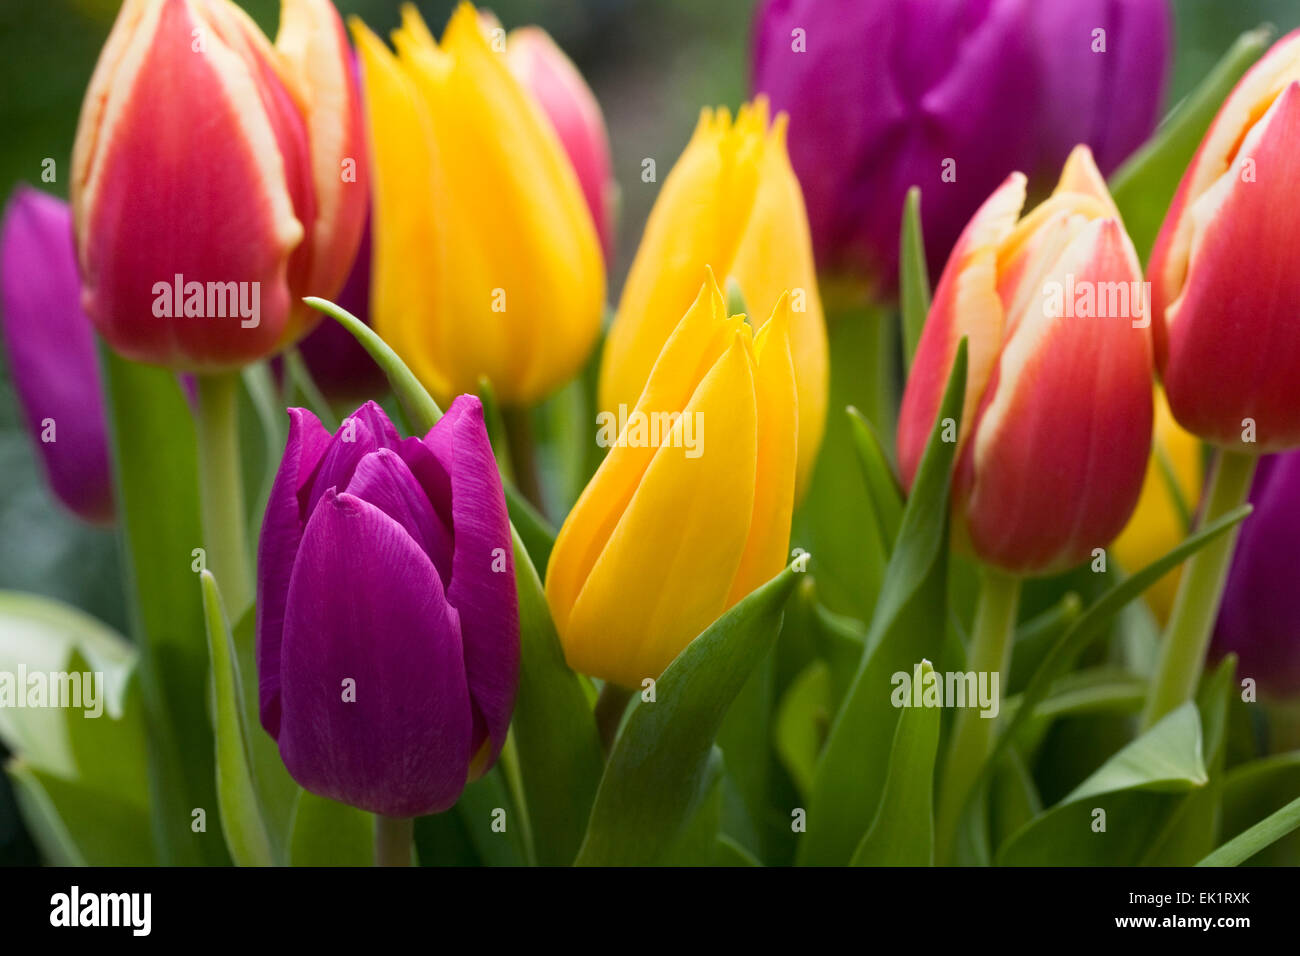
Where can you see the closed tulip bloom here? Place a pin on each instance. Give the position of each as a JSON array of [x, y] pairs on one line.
[[387, 621], [884, 95], [1056, 423], [1158, 523], [541, 66], [51, 350], [1225, 271], [1102, 69], [731, 203], [1259, 619], [690, 510], [487, 262], [216, 180]]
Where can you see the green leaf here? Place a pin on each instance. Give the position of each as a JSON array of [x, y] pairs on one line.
[[1137, 789], [909, 622], [696, 843], [745, 739], [241, 817], [422, 411], [1144, 186], [914, 276], [902, 833], [155, 474], [327, 833], [1092, 624], [1263, 834], [1252, 791], [652, 782], [40, 634], [882, 486], [802, 723], [535, 532], [77, 825], [850, 566], [1013, 797]]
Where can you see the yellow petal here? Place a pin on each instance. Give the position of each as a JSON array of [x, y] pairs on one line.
[[666, 571], [694, 347], [779, 424], [774, 257]]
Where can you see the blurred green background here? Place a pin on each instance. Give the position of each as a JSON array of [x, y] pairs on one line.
[[651, 63]]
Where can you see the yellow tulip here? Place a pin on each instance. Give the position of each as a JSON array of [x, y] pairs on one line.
[[670, 533], [486, 259], [1157, 524], [732, 202]]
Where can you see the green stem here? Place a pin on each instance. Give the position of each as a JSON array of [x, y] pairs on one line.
[[393, 837], [1182, 653], [523, 453], [972, 733], [609, 712], [221, 490]]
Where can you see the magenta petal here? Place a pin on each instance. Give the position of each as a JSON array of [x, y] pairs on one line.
[[276, 549], [365, 430], [52, 352], [383, 480], [482, 580], [366, 611]]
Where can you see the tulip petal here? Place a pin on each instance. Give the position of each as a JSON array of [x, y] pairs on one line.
[[1233, 357], [51, 351], [361, 433], [779, 435], [1064, 429], [666, 571], [701, 337], [966, 303], [482, 586], [383, 480], [277, 548], [401, 746]]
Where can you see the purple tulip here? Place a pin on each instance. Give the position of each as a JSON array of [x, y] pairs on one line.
[[1259, 619], [1102, 68], [340, 367], [51, 349], [387, 621], [887, 94]]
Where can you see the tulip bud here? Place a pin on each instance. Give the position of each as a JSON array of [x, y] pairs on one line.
[[550, 76], [1225, 273], [52, 352], [1158, 524], [884, 95], [690, 510], [1056, 423], [217, 179], [1259, 617], [1101, 68], [387, 621], [731, 203], [487, 262]]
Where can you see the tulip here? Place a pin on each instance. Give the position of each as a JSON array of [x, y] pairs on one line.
[[1101, 75], [1056, 423], [671, 532], [340, 367], [543, 69], [217, 179], [731, 203], [387, 622], [884, 95], [487, 261], [52, 353], [1259, 619], [1158, 523], [1225, 271]]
